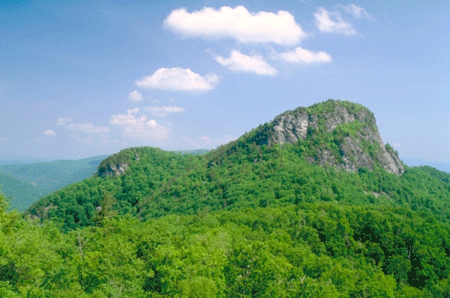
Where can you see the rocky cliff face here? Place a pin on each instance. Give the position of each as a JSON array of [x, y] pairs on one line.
[[115, 169], [349, 128], [118, 163]]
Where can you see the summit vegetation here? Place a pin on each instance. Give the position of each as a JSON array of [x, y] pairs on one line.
[[252, 218]]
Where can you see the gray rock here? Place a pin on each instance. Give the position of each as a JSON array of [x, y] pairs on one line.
[[115, 169], [292, 126]]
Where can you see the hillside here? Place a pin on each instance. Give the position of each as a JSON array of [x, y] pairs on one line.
[[311, 204], [21, 193], [27, 182], [339, 160]]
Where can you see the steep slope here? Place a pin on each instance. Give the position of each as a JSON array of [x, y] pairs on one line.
[[287, 221], [333, 133], [257, 170]]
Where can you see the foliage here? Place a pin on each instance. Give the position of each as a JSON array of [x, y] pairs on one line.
[[163, 183], [244, 220], [304, 250]]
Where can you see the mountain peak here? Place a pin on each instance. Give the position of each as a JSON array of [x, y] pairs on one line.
[[334, 133]]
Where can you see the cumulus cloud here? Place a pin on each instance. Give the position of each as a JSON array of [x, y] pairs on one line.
[[328, 21], [163, 111], [63, 121], [49, 133], [140, 128], [303, 56], [207, 142], [178, 79], [87, 127], [135, 96], [237, 23], [356, 11], [240, 62]]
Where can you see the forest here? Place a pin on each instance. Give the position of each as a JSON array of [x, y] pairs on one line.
[[243, 220]]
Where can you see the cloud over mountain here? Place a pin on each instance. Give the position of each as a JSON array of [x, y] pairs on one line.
[[49, 133], [239, 62], [303, 56], [139, 128], [237, 23], [331, 21], [178, 79], [135, 96]]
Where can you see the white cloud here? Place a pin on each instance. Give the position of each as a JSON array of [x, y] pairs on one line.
[[3, 139], [133, 111], [80, 129], [240, 62], [237, 23], [328, 21], [207, 142], [163, 111], [140, 128], [178, 79], [63, 121], [87, 127], [356, 11], [397, 145], [49, 133], [303, 56], [135, 96]]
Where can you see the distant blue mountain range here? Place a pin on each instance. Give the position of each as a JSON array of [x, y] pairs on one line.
[[415, 162], [25, 183]]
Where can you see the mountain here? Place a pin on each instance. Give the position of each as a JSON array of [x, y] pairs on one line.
[[311, 204], [413, 162], [6, 159], [22, 193], [331, 151], [337, 134], [28, 182]]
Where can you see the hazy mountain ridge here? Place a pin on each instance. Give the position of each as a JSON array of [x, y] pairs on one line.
[[27, 182], [20, 191]]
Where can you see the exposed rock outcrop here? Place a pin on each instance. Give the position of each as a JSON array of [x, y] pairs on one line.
[[118, 163], [360, 144], [115, 169]]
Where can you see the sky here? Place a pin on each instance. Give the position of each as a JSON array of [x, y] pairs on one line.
[[86, 78]]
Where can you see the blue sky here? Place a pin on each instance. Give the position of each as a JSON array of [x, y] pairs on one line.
[[86, 78]]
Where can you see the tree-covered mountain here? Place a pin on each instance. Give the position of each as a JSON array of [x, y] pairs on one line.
[[328, 152], [311, 204], [25, 183]]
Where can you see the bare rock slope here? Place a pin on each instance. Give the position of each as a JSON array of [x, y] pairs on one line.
[[334, 133]]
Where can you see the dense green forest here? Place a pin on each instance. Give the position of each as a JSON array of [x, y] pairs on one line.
[[163, 183], [321, 249], [244, 220]]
